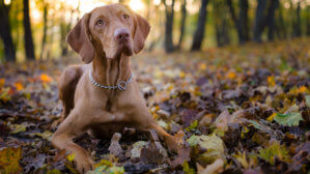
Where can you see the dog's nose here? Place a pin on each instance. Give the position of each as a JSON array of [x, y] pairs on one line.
[[121, 34]]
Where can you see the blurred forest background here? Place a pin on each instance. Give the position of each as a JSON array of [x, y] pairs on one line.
[[234, 88], [36, 29]]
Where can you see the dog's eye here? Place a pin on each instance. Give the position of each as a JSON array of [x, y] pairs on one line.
[[125, 16], [100, 22]]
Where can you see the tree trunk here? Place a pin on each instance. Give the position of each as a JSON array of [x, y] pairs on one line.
[[297, 26], [270, 18], [220, 18], [243, 21], [240, 22], [29, 46], [45, 15], [64, 30], [308, 21], [259, 20], [182, 26], [280, 24], [200, 30], [232, 11], [5, 33], [169, 47]]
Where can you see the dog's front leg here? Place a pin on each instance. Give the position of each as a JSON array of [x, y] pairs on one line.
[[73, 126], [169, 139]]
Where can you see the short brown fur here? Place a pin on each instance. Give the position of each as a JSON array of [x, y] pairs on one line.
[[97, 110]]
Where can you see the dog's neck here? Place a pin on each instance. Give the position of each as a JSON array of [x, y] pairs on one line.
[[111, 71]]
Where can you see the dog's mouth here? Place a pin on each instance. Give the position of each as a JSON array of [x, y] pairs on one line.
[[124, 48]]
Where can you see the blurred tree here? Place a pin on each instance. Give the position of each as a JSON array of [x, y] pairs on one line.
[[169, 10], [280, 27], [270, 18], [259, 20], [64, 29], [5, 32], [45, 16], [182, 26], [242, 21], [265, 14], [221, 22], [200, 30], [29, 46], [297, 21], [308, 20]]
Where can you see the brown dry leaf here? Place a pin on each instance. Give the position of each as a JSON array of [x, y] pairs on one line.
[[183, 156], [154, 153], [115, 148], [222, 120]]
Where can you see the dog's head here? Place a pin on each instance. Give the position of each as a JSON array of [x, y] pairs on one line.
[[110, 30]]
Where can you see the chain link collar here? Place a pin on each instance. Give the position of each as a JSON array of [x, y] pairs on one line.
[[121, 85]]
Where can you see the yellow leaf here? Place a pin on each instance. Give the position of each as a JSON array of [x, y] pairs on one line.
[[9, 160], [231, 75], [19, 86], [45, 78], [71, 157], [271, 117], [241, 157], [2, 82], [17, 128], [155, 116], [271, 81], [54, 171], [182, 74], [302, 89], [170, 87], [5, 94], [202, 67]]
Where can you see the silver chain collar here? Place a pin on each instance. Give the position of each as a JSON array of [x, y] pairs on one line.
[[121, 85]]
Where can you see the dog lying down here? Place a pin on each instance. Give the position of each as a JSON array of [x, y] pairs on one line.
[[103, 96]]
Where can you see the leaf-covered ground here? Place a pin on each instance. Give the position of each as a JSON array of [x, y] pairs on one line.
[[237, 109]]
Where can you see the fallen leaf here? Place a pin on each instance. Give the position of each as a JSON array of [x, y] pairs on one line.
[[46, 78], [19, 86], [135, 152], [153, 153], [271, 81], [289, 119], [9, 160], [2, 82], [308, 100], [212, 145], [115, 148], [275, 150]]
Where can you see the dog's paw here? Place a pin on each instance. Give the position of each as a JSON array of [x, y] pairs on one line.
[[172, 145], [84, 165]]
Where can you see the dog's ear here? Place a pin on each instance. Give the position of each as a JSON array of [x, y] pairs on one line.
[[79, 40], [142, 29]]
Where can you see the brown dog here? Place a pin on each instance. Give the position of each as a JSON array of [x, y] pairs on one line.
[[104, 95]]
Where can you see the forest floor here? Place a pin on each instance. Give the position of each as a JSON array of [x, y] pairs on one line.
[[236, 109]]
